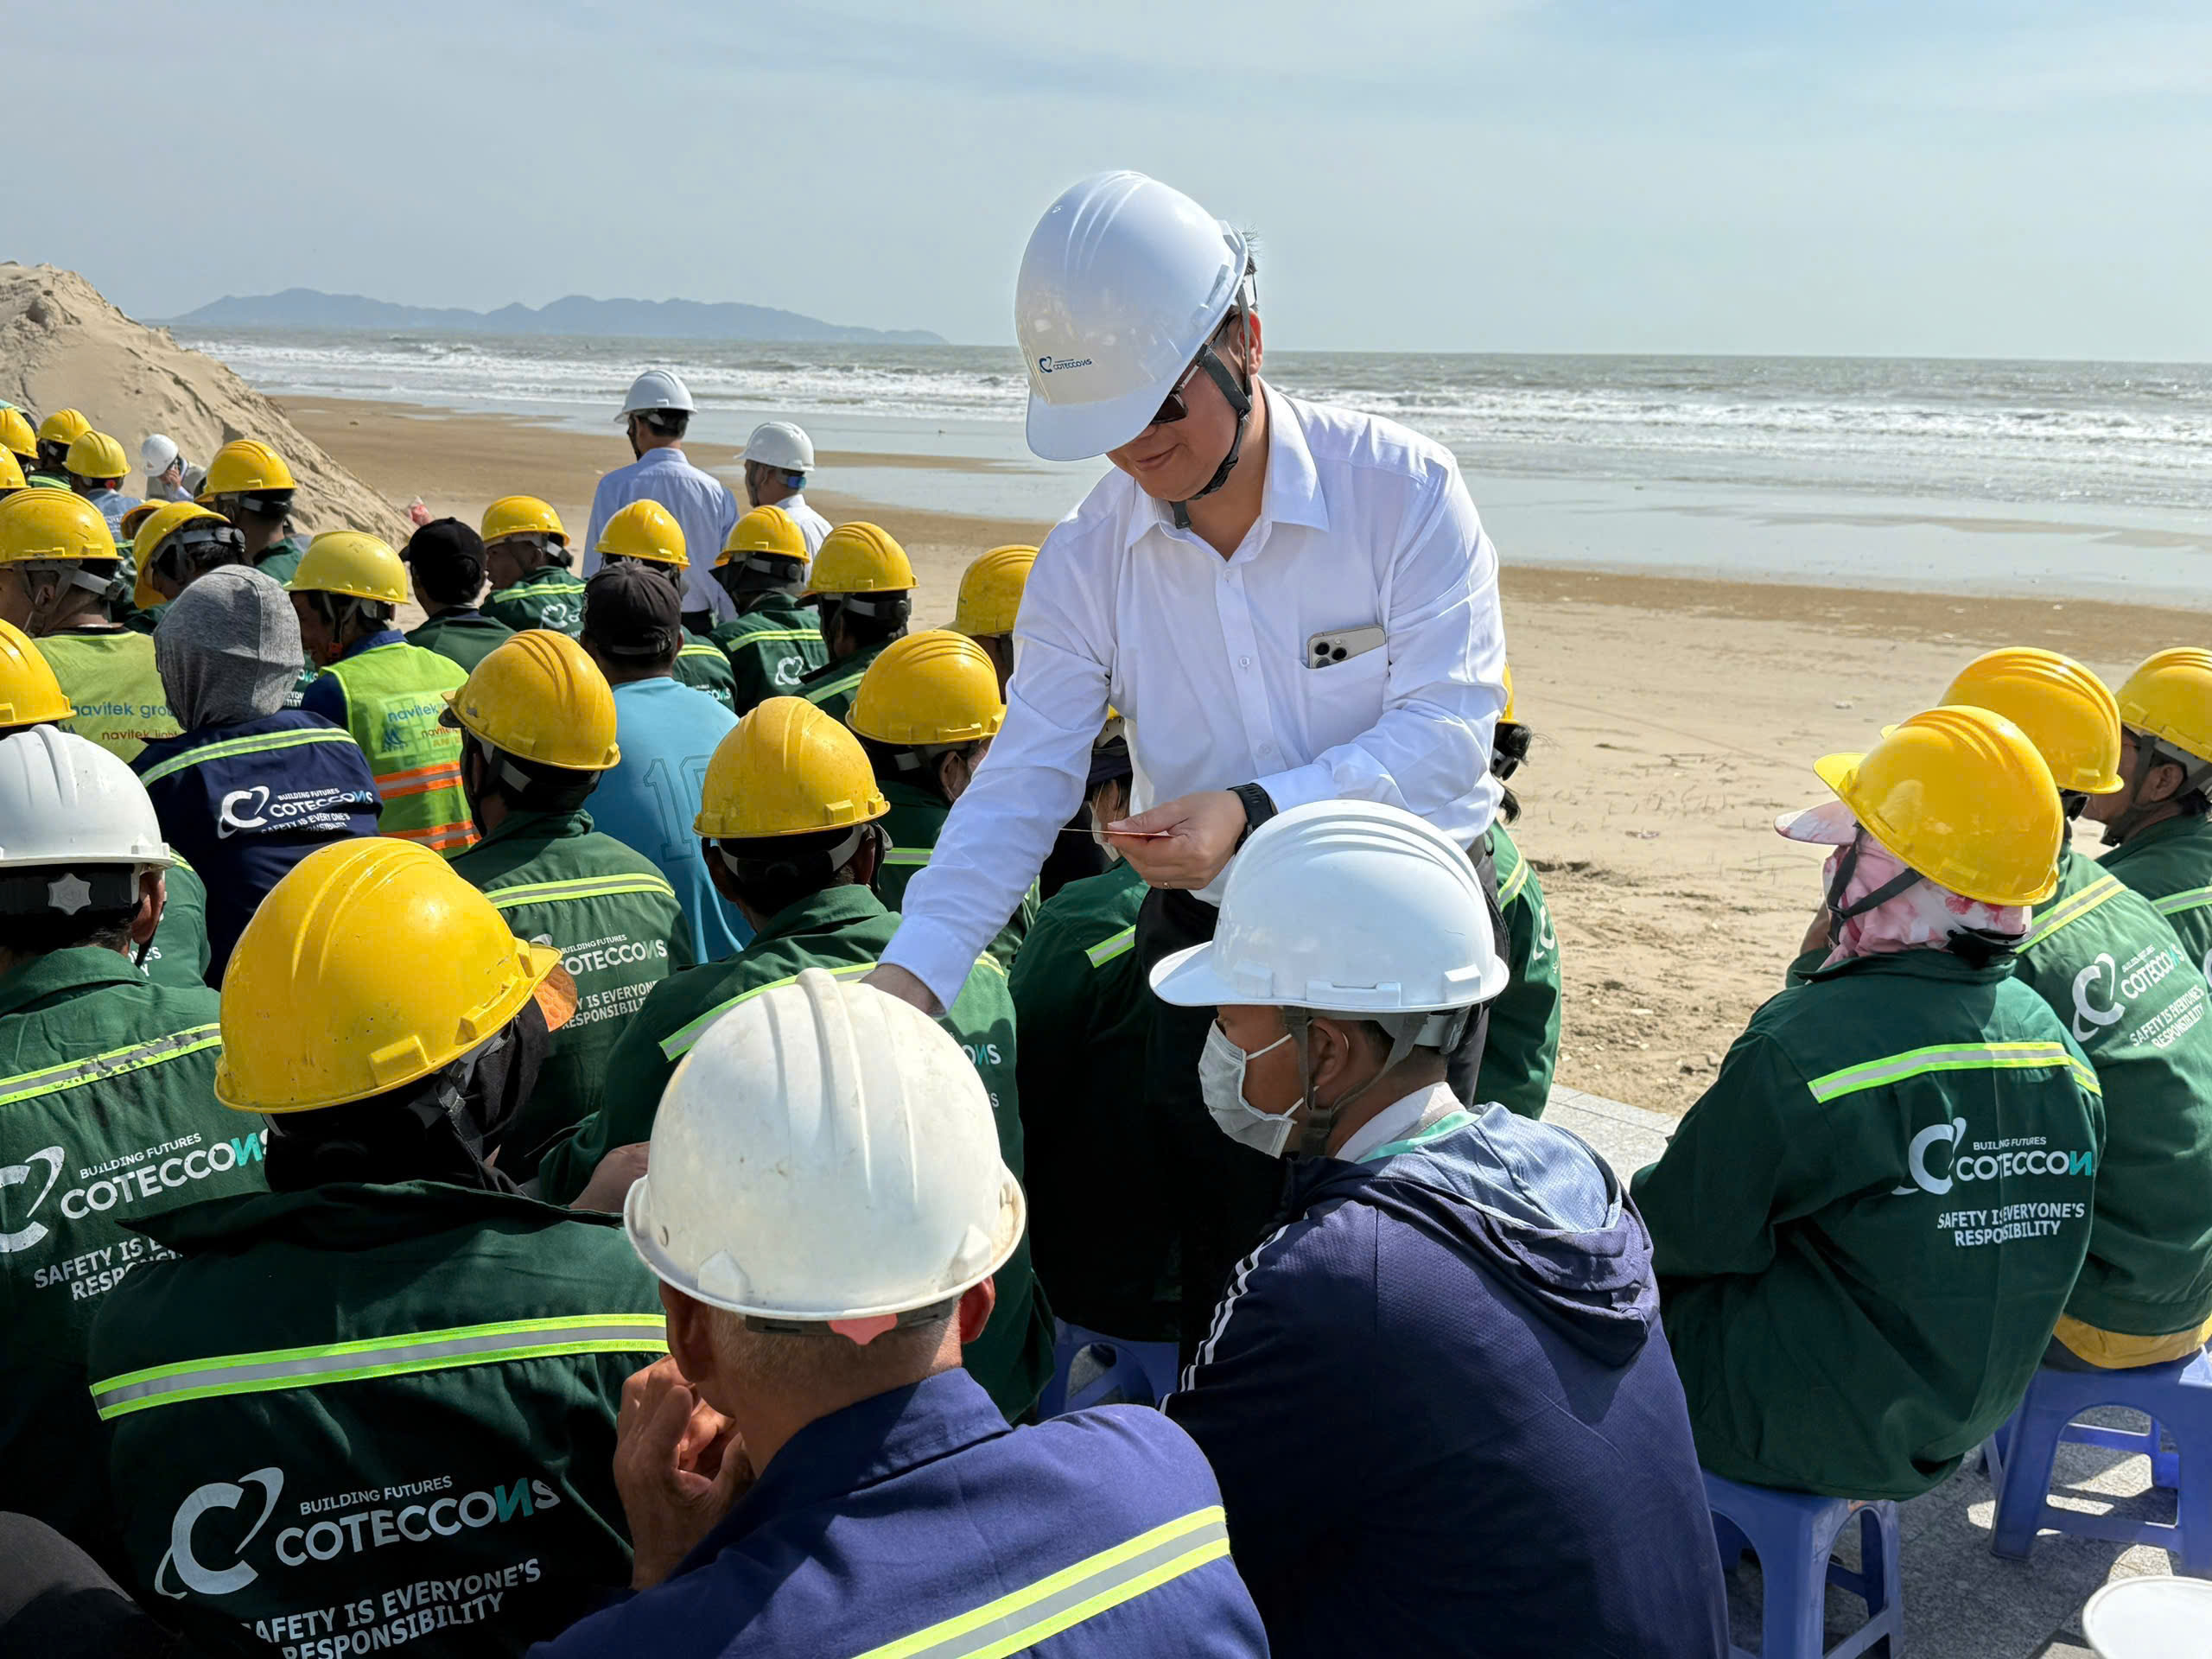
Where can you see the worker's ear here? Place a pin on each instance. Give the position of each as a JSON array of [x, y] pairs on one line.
[[2163, 783], [690, 1343], [1335, 1051], [974, 1310], [153, 900]]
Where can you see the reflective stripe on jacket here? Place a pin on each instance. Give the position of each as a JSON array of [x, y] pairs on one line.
[[391, 696]]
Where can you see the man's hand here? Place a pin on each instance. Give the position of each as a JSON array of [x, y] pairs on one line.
[[678, 1465], [895, 981], [611, 1181], [1201, 831]]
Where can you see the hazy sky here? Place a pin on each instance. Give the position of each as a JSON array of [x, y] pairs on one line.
[[1898, 176]]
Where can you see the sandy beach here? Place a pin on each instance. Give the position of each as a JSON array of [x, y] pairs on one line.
[[1676, 718]]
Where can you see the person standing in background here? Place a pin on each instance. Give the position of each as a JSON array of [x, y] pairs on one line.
[[165, 467], [97, 467], [778, 458], [656, 414]]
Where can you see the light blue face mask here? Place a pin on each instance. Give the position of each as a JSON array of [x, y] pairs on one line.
[[1221, 1081]]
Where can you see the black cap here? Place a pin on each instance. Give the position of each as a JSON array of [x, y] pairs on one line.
[[631, 611], [448, 558]]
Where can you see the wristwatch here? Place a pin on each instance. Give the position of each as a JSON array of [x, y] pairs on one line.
[[1259, 807]]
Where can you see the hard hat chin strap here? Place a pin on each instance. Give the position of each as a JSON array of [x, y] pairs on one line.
[[1317, 1122], [1840, 912], [1239, 397]]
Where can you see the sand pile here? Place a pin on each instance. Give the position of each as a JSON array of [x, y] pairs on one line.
[[62, 346]]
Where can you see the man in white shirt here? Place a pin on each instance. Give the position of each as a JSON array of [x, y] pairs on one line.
[[778, 458], [655, 414], [1286, 603]]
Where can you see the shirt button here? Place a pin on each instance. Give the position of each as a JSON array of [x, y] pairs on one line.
[[1243, 662]]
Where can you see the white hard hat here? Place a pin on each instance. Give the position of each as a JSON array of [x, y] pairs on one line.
[[1123, 280], [656, 388], [1345, 907], [66, 800], [154, 455], [778, 443], [2148, 1617], [824, 1153]]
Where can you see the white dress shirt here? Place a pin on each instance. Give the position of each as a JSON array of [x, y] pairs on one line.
[[1399, 1121], [811, 524], [701, 504], [1363, 523]]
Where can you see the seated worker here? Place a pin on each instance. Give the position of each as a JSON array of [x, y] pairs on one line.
[[408, 1372], [11, 474], [1424, 1255], [250, 485], [526, 555], [1861, 1270], [389, 695], [175, 543], [1521, 1050], [645, 533], [2111, 971], [445, 560], [2155, 823], [1103, 1236], [926, 712], [537, 725], [59, 569], [864, 589], [55, 433], [251, 787], [774, 641], [790, 823], [667, 733], [96, 468], [107, 1073], [19, 442], [846, 1485]]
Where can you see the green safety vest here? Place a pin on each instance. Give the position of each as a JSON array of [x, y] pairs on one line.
[[1521, 1051], [109, 677], [394, 708], [771, 648], [2115, 973], [107, 1115], [620, 931], [1867, 1227], [2170, 864], [916, 819], [384, 1412], [468, 639], [549, 597], [830, 688], [701, 665]]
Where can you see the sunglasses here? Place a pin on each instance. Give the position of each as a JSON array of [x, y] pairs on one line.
[[1174, 406]]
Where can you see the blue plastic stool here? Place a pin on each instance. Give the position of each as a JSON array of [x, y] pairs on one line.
[[2177, 1397], [1138, 1373], [1794, 1535]]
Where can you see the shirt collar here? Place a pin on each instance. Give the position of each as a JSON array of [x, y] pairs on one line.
[[667, 456], [1294, 495], [376, 641], [830, 908], [1397, 1120], [2164, 830], [546, 826], [78, 968], [863, 1445]]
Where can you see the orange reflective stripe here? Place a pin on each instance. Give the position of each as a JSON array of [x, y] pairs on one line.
[[436, 769], [438, 837], [427, 786]]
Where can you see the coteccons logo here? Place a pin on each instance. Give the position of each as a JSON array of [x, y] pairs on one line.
[[1050, 365], [230, 813], [179, 1562], [49, 1160], [123, 1187], [1983, 1165]]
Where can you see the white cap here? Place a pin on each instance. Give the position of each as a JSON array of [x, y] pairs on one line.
[[66, 800], [1123, 280], [154, 455], [778, 443], [1345, 907], [656, 388], [824, 1154]]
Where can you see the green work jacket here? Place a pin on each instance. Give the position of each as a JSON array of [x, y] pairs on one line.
[[2171, 864], [843, 930], [1868, 1228], [830, 688], [467, 637], [385, 1412], [1100, 1223], [1521, 1050], [107, 1113], [180, 953], [551, 596], [280, 560], [771, 649], [619, 931], [2112, 969], [916, 819], [701, 665]]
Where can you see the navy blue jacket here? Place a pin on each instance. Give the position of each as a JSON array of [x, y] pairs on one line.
[[893, 1517], [246, 802], [1441, 1407]]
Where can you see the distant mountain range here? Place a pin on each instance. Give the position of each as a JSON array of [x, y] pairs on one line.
[[304, 307]]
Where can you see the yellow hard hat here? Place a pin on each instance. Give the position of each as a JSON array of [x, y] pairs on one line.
[[521, 515], [2068, 712], [769, 531], [1506, 715], [860, 558], [29, 695], [128, 526], [64, 426], [11, 470], [1960, 795], [351, 562], [245, 466], [990, 590], [2169, 697], [786, 769], [935, 687], [644, 529], [58, 527], [370, 966], [539, 697], [95, 454], [16, 434]]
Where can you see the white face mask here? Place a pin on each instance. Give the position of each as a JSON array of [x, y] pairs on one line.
[[1221, 1080]]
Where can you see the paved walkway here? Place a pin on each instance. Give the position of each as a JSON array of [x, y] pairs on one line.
[[1960, 1601]]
